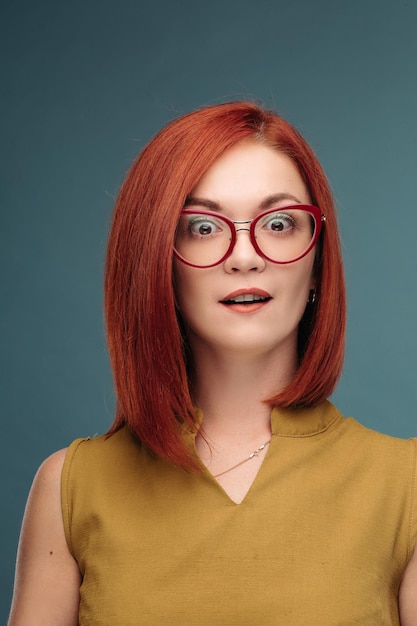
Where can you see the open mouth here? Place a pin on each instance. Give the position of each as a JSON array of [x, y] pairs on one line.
[[246, 298]]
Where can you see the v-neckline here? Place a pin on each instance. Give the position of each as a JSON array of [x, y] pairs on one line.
[[252, 485], [292, 423]]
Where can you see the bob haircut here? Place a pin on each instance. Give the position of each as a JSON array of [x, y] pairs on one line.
[[147, 343]]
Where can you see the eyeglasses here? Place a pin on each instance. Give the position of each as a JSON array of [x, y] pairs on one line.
[[280, 235]]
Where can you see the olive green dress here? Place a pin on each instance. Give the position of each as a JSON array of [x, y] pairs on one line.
[[322, 538]]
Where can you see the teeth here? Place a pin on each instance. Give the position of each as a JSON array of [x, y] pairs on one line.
[[248, 297]]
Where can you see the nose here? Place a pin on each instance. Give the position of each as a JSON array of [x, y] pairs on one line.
[[244, 257]]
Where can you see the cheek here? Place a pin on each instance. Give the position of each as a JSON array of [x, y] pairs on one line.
[[308, 270], [181, 278], [189, 288], [301, 279]]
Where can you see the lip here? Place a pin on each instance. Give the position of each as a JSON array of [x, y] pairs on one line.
[[242, 292]]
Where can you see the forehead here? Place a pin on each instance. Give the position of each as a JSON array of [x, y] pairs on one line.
[[251, 170]]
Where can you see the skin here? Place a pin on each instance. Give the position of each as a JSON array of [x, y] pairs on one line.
[[239, 351], [247, 178], [47, 577], [238, 354]]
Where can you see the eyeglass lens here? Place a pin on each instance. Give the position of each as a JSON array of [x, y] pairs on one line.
[[281, 235]]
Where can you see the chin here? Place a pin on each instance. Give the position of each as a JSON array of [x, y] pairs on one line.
[[245, 345]]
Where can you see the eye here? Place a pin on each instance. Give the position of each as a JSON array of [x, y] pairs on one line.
[[203, 226], [278, 222]]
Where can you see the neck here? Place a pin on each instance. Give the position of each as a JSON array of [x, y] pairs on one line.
[[231, 390]]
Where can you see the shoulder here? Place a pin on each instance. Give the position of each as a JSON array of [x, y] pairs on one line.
[[100, 450], [391, 460], [50, 470], [366, 445], [380, 442], [93, 466], [43, 555], [392, 464], [44, 497], [46, 484]]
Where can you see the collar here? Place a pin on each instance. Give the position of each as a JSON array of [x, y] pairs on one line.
[[304, 422]]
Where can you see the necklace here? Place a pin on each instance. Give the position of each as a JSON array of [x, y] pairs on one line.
[[252, 454]]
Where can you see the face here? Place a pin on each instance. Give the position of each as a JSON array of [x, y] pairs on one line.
[[246, 304]]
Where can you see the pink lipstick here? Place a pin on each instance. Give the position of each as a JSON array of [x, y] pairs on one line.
[[246, 300]]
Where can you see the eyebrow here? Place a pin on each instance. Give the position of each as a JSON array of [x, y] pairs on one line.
[[267, 203]]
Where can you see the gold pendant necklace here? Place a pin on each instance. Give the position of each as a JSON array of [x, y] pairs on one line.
[[251, 456]]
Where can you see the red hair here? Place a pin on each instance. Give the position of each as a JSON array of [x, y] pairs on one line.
[[147, 347]]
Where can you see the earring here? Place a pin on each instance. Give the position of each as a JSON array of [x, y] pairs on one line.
[[311, 296]]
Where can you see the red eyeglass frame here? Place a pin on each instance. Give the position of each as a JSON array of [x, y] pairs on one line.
[[319, 219]]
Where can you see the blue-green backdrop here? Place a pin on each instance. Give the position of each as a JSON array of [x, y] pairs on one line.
[[85, 84]]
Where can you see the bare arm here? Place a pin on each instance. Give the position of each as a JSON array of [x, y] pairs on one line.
[[408, 594], [47, 577]]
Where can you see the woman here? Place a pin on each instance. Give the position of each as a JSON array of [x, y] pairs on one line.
[[224, 300]]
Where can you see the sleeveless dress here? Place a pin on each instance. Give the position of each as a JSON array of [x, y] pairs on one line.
[[322, 538]]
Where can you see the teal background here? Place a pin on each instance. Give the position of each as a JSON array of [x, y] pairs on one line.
[[86, 84]]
